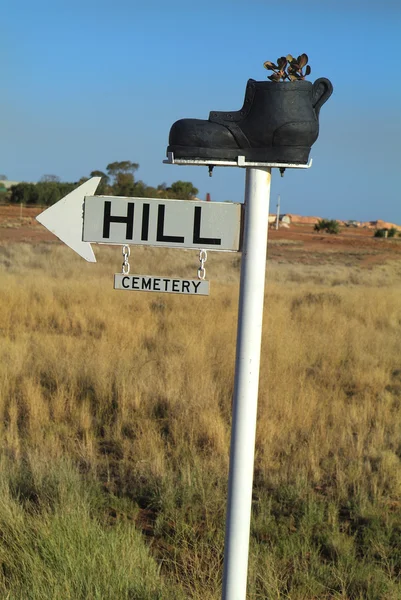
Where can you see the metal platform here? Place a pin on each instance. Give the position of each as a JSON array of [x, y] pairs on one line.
[[240, 162]]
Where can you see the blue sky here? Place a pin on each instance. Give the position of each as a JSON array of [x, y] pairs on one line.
[[87, 83]]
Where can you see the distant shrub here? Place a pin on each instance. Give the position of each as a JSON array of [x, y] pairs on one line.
[[4, 196], [385, 232], [44, 193], [327, 225]]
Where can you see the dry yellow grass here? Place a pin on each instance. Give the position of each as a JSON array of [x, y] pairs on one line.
[[137, 387], [77, 356]]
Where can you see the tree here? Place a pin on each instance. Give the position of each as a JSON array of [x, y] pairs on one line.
[[122, 173], [44, 192], [50, 192], [103, 187], [50, 178], [119, 181], [25, 193], [141, 190], [105, 177], [124, 167], [183, 190], [124, 184]]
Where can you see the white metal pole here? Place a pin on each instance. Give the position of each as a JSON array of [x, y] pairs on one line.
[[249, 337]]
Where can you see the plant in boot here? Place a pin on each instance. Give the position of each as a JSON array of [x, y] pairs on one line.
[[288, 68]]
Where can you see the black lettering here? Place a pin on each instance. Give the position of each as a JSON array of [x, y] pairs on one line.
[[129, 220], [156, 281], [146, 283], [135, 283], [145, 222], [185, 285], [197, 226], [166, 281], [196, 285], [160, 228], [175, 285], [123, 284]]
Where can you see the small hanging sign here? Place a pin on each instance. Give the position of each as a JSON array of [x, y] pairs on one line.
[[150, 283]]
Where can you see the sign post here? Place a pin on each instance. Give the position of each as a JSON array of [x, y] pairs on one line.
[[247, 363], [246, 384]]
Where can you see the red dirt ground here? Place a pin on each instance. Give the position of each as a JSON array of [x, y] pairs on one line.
[[299, 243]]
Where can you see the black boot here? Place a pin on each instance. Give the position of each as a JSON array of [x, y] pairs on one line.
[[278, 123]]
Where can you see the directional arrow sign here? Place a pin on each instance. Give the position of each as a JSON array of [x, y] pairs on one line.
[[81, 218], [64, 218]]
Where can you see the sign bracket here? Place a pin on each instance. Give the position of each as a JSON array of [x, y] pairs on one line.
[[240, 162]]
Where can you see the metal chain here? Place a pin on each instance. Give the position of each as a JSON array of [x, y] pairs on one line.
[[125, 265], [202, 260]]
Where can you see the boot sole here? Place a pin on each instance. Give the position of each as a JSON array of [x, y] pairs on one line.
[[274, 154]]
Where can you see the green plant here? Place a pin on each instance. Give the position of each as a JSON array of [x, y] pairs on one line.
[[327, 225], [386, 232], [288, 67]]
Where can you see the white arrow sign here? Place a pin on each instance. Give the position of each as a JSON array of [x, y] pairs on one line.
[[81, 218], [65, 218]]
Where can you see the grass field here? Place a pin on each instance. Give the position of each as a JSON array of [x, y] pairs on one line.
[[115, 427]]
